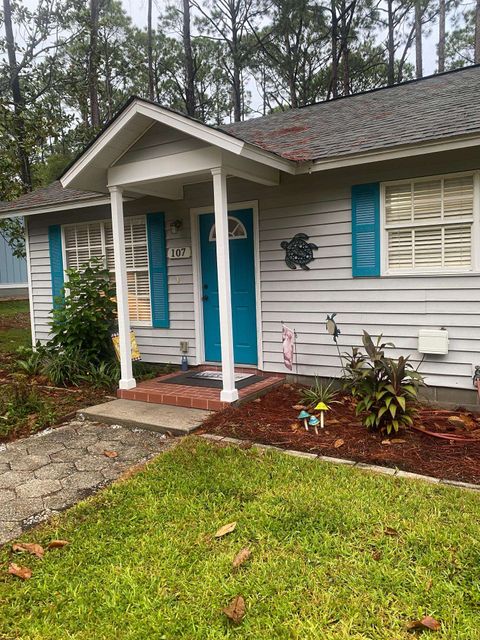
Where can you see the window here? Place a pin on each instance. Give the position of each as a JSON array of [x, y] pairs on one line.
[[95, 239], [429, 224], [236, 230]]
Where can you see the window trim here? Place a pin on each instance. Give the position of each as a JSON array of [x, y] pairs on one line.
[[384, 228], [103, 222], [239, 224]]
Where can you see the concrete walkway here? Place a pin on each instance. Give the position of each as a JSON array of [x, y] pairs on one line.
[[48, 472]]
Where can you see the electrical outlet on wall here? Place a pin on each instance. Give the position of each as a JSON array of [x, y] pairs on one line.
[[183, 346]]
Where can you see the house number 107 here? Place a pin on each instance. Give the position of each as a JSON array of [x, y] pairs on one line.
[[177, 253]]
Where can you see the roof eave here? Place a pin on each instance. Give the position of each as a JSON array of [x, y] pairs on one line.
[[53, 208], [393, 153]]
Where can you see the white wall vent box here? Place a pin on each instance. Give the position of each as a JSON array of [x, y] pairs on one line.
[[434, 341]]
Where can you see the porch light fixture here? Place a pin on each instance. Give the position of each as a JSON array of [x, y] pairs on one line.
[[175, 226]]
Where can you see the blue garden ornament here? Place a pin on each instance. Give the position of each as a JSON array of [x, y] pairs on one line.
[[332, 327]]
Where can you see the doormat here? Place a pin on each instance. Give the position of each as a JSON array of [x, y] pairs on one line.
[[211, 379]]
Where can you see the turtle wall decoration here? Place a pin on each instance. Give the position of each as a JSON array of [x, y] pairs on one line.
[[298, 251]]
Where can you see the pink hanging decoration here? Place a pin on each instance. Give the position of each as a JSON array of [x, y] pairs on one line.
[[288, 344]]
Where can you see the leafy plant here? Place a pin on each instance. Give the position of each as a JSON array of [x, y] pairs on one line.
[[103, 375], [30, 361], [85, 315], [386, 388], [64, 368], [319, 392]]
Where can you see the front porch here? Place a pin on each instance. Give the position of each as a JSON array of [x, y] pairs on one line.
[[153, 154], [162, 391]]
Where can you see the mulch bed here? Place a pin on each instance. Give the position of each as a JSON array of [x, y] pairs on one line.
[[272, 420]]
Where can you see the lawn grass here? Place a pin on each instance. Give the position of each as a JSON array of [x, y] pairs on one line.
[[14, 325], [143, 563]]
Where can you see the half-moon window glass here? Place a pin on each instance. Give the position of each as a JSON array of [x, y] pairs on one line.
[[236, 230]]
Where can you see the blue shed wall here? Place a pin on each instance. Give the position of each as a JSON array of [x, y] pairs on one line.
[[12, 270]]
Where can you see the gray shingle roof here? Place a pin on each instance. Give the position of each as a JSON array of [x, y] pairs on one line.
[[44, 196], [435, 108]]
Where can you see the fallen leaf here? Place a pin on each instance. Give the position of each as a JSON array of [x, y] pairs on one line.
[[110, 454], [425, 623], [227, 528], [429, 585], [241, 557], [390, 531], [257, 400], [397, 441], [338, 443], [298, 407], [377, 555], [29, 547], [24, 573], [57, 544], [235, 610], [386, 442], [294, 426]]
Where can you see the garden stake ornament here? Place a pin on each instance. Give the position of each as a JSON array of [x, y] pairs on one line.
[[334, 331], [304, 415], [322, 407], [314, 422]]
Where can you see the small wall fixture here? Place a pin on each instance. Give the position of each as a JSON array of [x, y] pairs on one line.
[[175, 226], [433, 341]]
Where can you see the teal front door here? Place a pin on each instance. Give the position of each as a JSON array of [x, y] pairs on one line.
[[242, 281]]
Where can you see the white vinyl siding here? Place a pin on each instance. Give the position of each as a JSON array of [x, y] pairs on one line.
[[95, 239], [429, 224]]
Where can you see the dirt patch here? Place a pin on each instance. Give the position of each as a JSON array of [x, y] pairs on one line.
[[272, 420]]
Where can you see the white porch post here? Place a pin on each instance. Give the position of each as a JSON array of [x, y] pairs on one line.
[[229, 393], [127, 381]]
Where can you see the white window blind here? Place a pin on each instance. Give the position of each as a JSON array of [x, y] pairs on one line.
[[95, 239], [429, 224]]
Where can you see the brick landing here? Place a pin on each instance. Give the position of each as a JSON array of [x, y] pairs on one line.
[[159, 391]]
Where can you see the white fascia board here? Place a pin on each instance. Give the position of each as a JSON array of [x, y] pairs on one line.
[[52, 208], [191, 127], [391, 154], [270, 159], [88, 156]]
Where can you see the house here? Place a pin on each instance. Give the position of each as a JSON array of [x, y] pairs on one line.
[[13, 271], [191, 219]]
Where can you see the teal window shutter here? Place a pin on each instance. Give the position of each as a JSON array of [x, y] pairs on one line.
[[157, 257], [56, 261], [366, 230]]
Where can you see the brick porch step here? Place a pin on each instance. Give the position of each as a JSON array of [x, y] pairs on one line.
[[160, 391]]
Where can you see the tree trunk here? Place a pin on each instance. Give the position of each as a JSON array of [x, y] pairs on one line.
[[441, 36], [93, 64], [189, 65], [18, 100], [390, 44], [418, 40], [477, 32], [151, 80], [334, 79], [237, 78], [345, 51]]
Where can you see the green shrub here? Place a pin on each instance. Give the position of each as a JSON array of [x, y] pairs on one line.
[[84, 318], [319, 392], [386, 388]]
